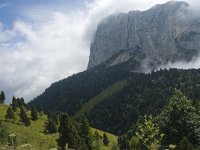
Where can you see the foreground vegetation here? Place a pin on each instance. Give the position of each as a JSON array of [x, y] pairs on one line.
[[112, 106], [16, 135], [176, 127]]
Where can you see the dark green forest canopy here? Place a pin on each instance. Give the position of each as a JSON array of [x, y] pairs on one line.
[[144, 94]]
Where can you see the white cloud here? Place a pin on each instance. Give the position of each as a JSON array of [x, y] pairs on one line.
[[53, 45]]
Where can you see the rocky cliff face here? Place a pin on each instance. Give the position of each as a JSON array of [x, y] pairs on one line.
[[163, 33]]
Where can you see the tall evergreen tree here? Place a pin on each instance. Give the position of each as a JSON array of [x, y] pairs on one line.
[[23, 117], [50, 126], [123, 143], [97, 141], [105, 140], [14, 104], [180, 119], [67, 133], [34, 114], [21, 102], [2, 97], [54, 117], [10, 115], [85, 132]]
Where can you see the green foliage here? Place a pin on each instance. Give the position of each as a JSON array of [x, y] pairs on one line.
[[85, 132], [185, 144], [88, 106], [148, 133], [180, 119], [114, 147], [70, 94], [50, 127], [144, 94], [54, 117], [2, 97], [34, 114], [10, 115], [134, 143], [123, 143], [17, 103], [4, 132], [67, 133], [105, 140], [23, 117], [94, 93], [97, 141]]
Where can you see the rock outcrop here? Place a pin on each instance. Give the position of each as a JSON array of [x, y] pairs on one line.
[[163, 33]]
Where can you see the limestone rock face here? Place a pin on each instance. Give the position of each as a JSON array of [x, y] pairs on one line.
[[163, 32]]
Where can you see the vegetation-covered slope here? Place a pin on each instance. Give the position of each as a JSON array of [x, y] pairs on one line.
[[34, 134], [88, 106], [70, 94], [144, 94]]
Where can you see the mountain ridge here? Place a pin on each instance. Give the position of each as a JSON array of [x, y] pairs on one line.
[[161, 33]]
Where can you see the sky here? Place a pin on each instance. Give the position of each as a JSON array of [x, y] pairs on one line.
[[43, 41]]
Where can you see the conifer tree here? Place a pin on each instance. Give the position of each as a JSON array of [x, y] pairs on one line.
[[2, 97], [180, 119], [23, 117], [54, 117], [85, 132], [14, 104], [97, 141], [10, 115], [105, 140], [50, 127], [67, 133], [34, 114]]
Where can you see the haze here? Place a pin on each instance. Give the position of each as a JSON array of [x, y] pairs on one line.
[[41, 43]]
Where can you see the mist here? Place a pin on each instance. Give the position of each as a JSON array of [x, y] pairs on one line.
[[46, 45]]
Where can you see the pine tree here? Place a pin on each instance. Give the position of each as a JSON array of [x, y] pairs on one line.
[[2, 97], [50, 127], [85, 132], [14, 104], [34, 114], [97, 141], [54, 117], [123, 143], [67, 133], [21, 102], [23, 117], [10, 115], [105, 140]]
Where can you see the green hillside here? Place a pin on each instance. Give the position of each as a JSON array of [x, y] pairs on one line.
[[34, 134], [88, 106]]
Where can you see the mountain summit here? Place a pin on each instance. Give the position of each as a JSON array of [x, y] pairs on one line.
[[161, 34]]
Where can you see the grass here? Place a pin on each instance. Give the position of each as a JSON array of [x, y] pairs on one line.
[[88, 106], [35, 136], [112, 138]]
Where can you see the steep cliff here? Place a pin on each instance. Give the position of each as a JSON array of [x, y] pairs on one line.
[[162, 34]]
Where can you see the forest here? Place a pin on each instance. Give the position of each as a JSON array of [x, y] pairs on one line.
[[115, 98], [176, 126]]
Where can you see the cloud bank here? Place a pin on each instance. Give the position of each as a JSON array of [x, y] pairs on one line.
[[50, 45]]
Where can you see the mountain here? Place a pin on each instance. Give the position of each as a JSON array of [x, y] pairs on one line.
[[115, 92], [115, 97], [162, 34]]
